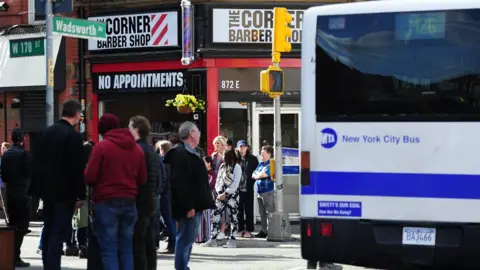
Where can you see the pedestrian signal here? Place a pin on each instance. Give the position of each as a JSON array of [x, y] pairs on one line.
[[271, 81]]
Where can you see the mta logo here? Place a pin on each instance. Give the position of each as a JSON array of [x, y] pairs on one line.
[[328, 138]]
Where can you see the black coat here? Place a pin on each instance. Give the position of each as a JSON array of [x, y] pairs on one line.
[[15, 168], [147, 192], [188, 182], [58, 164], [252, 163]]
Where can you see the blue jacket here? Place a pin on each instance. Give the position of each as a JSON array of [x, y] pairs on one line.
[[265, 184]]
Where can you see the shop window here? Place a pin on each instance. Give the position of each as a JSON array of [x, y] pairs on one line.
[[163, 120], [234, 123]]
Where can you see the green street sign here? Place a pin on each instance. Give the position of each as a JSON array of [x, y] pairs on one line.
[[27, 47], [79, 28]]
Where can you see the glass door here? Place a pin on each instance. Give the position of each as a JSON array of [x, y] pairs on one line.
[[262, 134]]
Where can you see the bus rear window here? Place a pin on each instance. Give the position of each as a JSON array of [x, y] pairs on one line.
[[398, 64]]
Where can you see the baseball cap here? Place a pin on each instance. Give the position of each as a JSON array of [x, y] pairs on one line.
[[242, 143]]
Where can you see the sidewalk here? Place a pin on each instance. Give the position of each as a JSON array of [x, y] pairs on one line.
[[251, 254]]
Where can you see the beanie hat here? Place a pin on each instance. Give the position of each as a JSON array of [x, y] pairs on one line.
[[108, 122]]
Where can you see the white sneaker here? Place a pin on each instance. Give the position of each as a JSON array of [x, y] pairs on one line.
[[210, 243], [221, 236], [230, 244]]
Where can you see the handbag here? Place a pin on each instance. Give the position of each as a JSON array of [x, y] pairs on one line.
[[227, 175]]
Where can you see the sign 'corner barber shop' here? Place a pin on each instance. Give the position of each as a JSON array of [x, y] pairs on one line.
[[156, 29], [139, 81], [251, 25]]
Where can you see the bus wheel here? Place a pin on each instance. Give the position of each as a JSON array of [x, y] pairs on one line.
[[312, 265]]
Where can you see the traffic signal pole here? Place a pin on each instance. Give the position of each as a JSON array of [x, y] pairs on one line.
[[49, 62], [271, 82]]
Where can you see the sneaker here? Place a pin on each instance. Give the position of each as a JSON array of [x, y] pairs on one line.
[[247, 235], [169, 250], [71, 251], [330, 266], [210, 243], [312, 265], [221, 236], [241, 234], [232, 243], [21, 264], [261, 234], [82, 253]]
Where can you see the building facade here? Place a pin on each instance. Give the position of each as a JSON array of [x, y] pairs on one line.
[[138, 68], [23, 70]]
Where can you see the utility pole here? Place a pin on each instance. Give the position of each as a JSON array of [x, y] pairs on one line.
[[272, 83], [49, 64]]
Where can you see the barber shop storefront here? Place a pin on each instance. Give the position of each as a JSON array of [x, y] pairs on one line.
[[131, 89], [137, 69], [23, 81]]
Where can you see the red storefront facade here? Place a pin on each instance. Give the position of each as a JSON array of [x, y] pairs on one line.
[[212, 94]]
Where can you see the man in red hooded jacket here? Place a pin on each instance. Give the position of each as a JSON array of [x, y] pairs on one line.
[[115, 168]]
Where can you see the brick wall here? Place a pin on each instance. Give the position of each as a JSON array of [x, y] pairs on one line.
[[16, 14]]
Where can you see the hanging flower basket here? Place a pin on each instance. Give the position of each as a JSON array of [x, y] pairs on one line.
[[184, 109], [186, 103]]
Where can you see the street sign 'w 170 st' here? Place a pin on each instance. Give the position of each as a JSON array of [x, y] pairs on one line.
[[79, 28]]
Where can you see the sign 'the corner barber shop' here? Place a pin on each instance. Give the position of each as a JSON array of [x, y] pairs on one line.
[[251, 25], [137, 31]]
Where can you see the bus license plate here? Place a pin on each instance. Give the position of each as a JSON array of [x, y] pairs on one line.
[[419, 236]]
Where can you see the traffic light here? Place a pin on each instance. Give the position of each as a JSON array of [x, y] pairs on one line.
[[281, 30], [271, 81]]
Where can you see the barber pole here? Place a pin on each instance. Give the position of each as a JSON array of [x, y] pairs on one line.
[[187, 33]]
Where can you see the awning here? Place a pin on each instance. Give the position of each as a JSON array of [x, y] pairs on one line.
[[28, 73]]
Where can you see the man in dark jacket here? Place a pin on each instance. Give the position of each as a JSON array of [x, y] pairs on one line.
[[58, 180], [145, 252], [190, 191], [15, 168]]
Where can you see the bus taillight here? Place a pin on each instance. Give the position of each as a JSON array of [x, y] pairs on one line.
[[309, 230], [305, 168], [327, 229]]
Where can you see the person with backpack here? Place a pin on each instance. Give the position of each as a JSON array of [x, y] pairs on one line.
[[228, 180]]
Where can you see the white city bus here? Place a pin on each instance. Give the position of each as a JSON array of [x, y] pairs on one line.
[[390, 162]]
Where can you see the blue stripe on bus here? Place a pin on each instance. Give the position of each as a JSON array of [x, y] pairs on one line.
[[289, 170], [449, 186]]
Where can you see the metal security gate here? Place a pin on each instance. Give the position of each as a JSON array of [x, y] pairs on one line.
[[33, 110]]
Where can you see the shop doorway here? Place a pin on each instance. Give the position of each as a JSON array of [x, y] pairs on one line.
[[262, 133]]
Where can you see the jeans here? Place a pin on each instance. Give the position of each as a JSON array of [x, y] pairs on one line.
[[114, 222], [186, 234], [266, 208], [19, 218], [58, 222], [158, 215], [40, 241], [245, 211], [166, 209]]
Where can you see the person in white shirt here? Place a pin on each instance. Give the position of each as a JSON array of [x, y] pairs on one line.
[[228, 180]]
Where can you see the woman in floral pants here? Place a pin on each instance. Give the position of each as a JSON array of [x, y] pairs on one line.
[[228, 179]]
